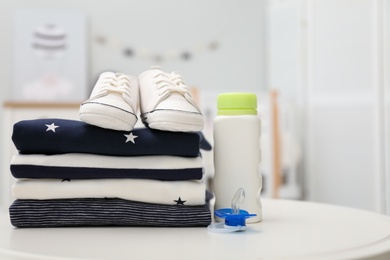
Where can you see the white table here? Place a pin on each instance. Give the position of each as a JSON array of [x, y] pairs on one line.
[[289, 230]]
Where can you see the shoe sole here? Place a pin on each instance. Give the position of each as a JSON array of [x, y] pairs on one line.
[[107, 116], [173, 120]]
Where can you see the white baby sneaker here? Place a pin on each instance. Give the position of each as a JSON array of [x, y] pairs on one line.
[[166, 102], [113, 102]]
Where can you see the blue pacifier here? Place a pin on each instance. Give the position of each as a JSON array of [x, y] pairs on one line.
[[235, 218]]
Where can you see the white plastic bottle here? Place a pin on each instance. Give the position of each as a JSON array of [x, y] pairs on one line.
[[237, 152]]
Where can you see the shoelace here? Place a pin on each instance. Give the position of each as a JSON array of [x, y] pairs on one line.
[[167, 84], [119, 84], [177, 78], [173, 83]]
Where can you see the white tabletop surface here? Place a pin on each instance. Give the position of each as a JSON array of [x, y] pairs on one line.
[[289, 230]]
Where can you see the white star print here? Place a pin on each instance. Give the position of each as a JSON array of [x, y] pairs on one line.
[[130, 137], [51, 127]]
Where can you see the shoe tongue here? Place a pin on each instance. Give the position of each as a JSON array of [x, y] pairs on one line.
[[155, 68], [108, 74]]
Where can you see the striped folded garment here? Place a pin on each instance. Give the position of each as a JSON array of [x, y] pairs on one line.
[[105, 212], [57, 136], [92, 166]]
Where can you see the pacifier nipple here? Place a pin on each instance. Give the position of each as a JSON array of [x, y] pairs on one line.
[[234, 217], [237, 200]]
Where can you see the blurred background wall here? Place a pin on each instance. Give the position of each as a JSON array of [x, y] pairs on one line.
[[223, 40]]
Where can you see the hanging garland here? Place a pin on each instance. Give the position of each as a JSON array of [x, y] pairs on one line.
[[169, 55]]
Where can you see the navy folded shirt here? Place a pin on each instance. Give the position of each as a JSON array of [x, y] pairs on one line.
[[57, 136]]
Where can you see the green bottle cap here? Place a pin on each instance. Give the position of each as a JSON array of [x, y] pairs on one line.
[[237, 104]]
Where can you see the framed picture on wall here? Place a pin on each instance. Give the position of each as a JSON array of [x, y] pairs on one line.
[[49, 56]]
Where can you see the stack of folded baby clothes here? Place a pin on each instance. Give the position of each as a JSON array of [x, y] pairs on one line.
[[78, 173]]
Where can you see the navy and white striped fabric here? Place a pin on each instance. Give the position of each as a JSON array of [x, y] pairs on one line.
[[57, 136], [105, 212]]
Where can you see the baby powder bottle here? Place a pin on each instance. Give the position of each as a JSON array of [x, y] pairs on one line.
[[237, 152]]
